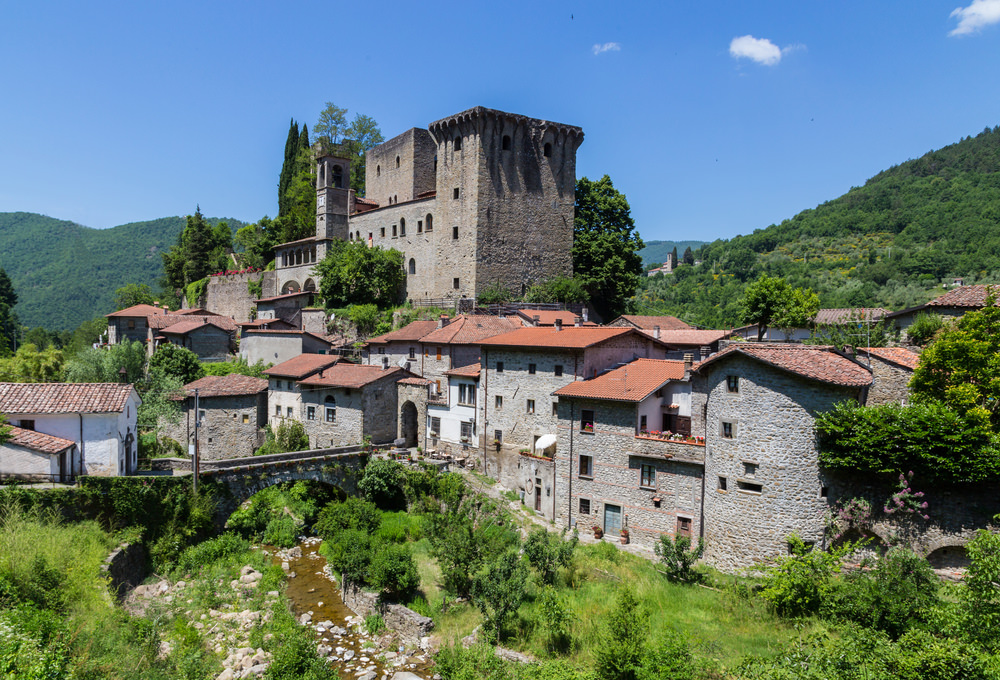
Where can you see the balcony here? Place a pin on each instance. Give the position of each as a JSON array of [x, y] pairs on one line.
[[656, 435]]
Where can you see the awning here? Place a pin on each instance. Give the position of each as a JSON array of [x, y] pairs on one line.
[[546, 441]]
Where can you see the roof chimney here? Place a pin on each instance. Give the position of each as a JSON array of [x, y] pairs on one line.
[[558, 324], [443, 320], [585, 313], [656, 334], [204, 319], [688, 361], [535, 319], [577, 321]]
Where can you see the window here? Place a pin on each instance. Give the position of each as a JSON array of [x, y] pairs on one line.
[[420, 226], [455, 193], [530, 407], [30, 424], [338, 177], [584, 506], [288, 411], [642, 424], [466, 432], [402, 227], [131, 324], [531, 369], [430, 222], [378, 170], [413, 266], [454, 233], [413, 352], [586, 466], [277, 410], [824, 492], [381, 232], [381, 350], [547, 149], [467, 394], [385, 362], [246, 418], [397, 161], [499, 367], [454, 283], [310, 413], [331, 409], [723, 483], [435, 426], [439, 354], [394, 227], [555, 408], [458, 144], [748, 487], [732, 384], [498, 436], [684, 526], [558, 370], [505, 143], [587, 421], [750, 470], [647, 476], [498, 402]]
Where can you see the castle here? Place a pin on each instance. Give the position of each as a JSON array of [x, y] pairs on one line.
[[478, 199]]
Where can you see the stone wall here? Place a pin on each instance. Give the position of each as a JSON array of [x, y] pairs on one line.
[[229, 295], [209, 342], [890, 382], [229, 429], [770, 465], [408, 624], [416, 395], [388, 181], [125, 568]]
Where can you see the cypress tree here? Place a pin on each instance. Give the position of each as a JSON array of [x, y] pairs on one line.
[[287, 168], [197, 248], [7, 295]]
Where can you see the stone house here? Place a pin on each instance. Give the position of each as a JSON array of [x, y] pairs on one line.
[[612, 468], [131, 323], [232, 410], [891, 368], [284, 398], [153, 326], [521, 370], [210, 337], [824, 317], [452, 415], [479, 198], [762, 478], [694, 343], [402, 346], [274, 346], [953, 304], [98, 418], [36, 457]]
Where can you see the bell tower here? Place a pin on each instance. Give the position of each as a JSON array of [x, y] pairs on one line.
[[333, 179]]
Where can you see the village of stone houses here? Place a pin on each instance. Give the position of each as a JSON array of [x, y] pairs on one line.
[[444, 431]]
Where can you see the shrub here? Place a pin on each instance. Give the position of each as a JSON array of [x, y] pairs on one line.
[[622, 645], [678, 557], [546, 552], [924, 328], [226, 546], [374, 624], [393, 570], [668, 657], [799, 583], [498, 592], [382, 484], [349, 553], [980, 602], [353, 513], [282, 532], [556, 619], [291, 436]]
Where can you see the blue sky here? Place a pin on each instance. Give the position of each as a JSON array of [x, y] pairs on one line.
[[714, 118]]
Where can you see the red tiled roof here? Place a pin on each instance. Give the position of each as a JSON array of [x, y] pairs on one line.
[[547, 317], [847, 315], [412, 331], [634, 381], [966, 296], [198, 311], [139, 310], [816, 362], [231, 385], [28, 398], [423, 382], [692, 337], [470, 371], [467, 329], [351, 375], [166, 321], [185, 327], [897, 355], [301, 366], [265, 324], [310, 239], [548, 337], [37, 441], [366, 201], [427, 194], [287, 296], [666, 323]]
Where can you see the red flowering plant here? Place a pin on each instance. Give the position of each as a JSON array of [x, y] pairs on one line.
[[906, 501]]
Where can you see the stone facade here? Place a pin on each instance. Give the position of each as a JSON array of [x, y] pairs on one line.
[[230, 425], [761, 447], [208, 341], [276, 346], [890, 382], [229, 295], [412, 416]]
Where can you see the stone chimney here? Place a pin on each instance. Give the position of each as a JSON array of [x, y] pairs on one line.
[[688, 362], [656, 334], [558, 324], [585, 313], [577, 321], [535, 319], [443, 321], [848, 351]]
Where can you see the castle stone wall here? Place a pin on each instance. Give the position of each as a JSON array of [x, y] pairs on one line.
[[388, 183], [229, 295]]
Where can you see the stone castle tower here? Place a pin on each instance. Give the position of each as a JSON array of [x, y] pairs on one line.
[[479, 198]]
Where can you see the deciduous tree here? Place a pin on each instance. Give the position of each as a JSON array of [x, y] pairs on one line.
[[770, 300], [133, 294], [354, 274]]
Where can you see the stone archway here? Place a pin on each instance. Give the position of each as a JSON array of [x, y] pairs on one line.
[[290, 287], [408, 423], [310, 286]]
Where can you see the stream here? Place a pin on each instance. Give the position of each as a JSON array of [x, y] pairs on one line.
[[315, 599]]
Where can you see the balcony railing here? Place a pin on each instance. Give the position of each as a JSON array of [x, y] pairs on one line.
[[657, 435]]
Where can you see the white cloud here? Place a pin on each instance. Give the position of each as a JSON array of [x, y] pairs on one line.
[[975, 17], [607, 47], [760, 50]]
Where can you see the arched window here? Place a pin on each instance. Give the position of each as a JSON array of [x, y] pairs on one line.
[[397, 161], [395, 199], [284, 258], [505, 145], [402, 227], [338, 177], [357, 235], [309, 285], [429, 221], [298, 257], [413, 266], [547, 149], [458, 144], [322, 173], [313, 253]]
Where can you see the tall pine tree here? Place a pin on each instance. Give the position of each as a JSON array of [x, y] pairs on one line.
[[287, 168]]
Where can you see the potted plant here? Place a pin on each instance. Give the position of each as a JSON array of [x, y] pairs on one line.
[[624, 536], [496, 443], [598, 532]]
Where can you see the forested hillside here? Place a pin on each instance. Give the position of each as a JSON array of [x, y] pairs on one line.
[[655, 252], [892, 242], [65, 273]]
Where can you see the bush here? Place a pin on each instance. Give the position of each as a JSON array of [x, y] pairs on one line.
[[226, 546], [800, 583], [556, 619], [546, 552], [667, 658], [924, 328], [282, 532], [353, 513], [498, 592], [678, 558], [393, 571], [350, 554], [291, 436], [622, 645], [374, 624], [382, 484], [178, 362]]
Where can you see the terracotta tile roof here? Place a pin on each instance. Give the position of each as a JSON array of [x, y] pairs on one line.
[[351, 375], [816, 362], [185, 327], [37, 441], [470, 371], [27, 398], [231, 385], [301, 240], [139, 310], [898, 355], [279, 324], [547, 317], [168, 320], [422, 382], [666, 323], [466, 329], [412, 331], [693, 337], [287, 296], [634, 381], [365, 201], [966, 296], [842, 316], [427, 194], [549, 337], [197, 311], [301, 366]]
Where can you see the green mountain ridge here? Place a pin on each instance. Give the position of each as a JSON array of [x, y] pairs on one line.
[[655, 252], [65, 273], [893, 242]]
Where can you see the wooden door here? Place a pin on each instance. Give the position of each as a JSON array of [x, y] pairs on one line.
[[612, 519], [538, 495]]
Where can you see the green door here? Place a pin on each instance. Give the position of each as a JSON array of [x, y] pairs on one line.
[[612, 519]]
